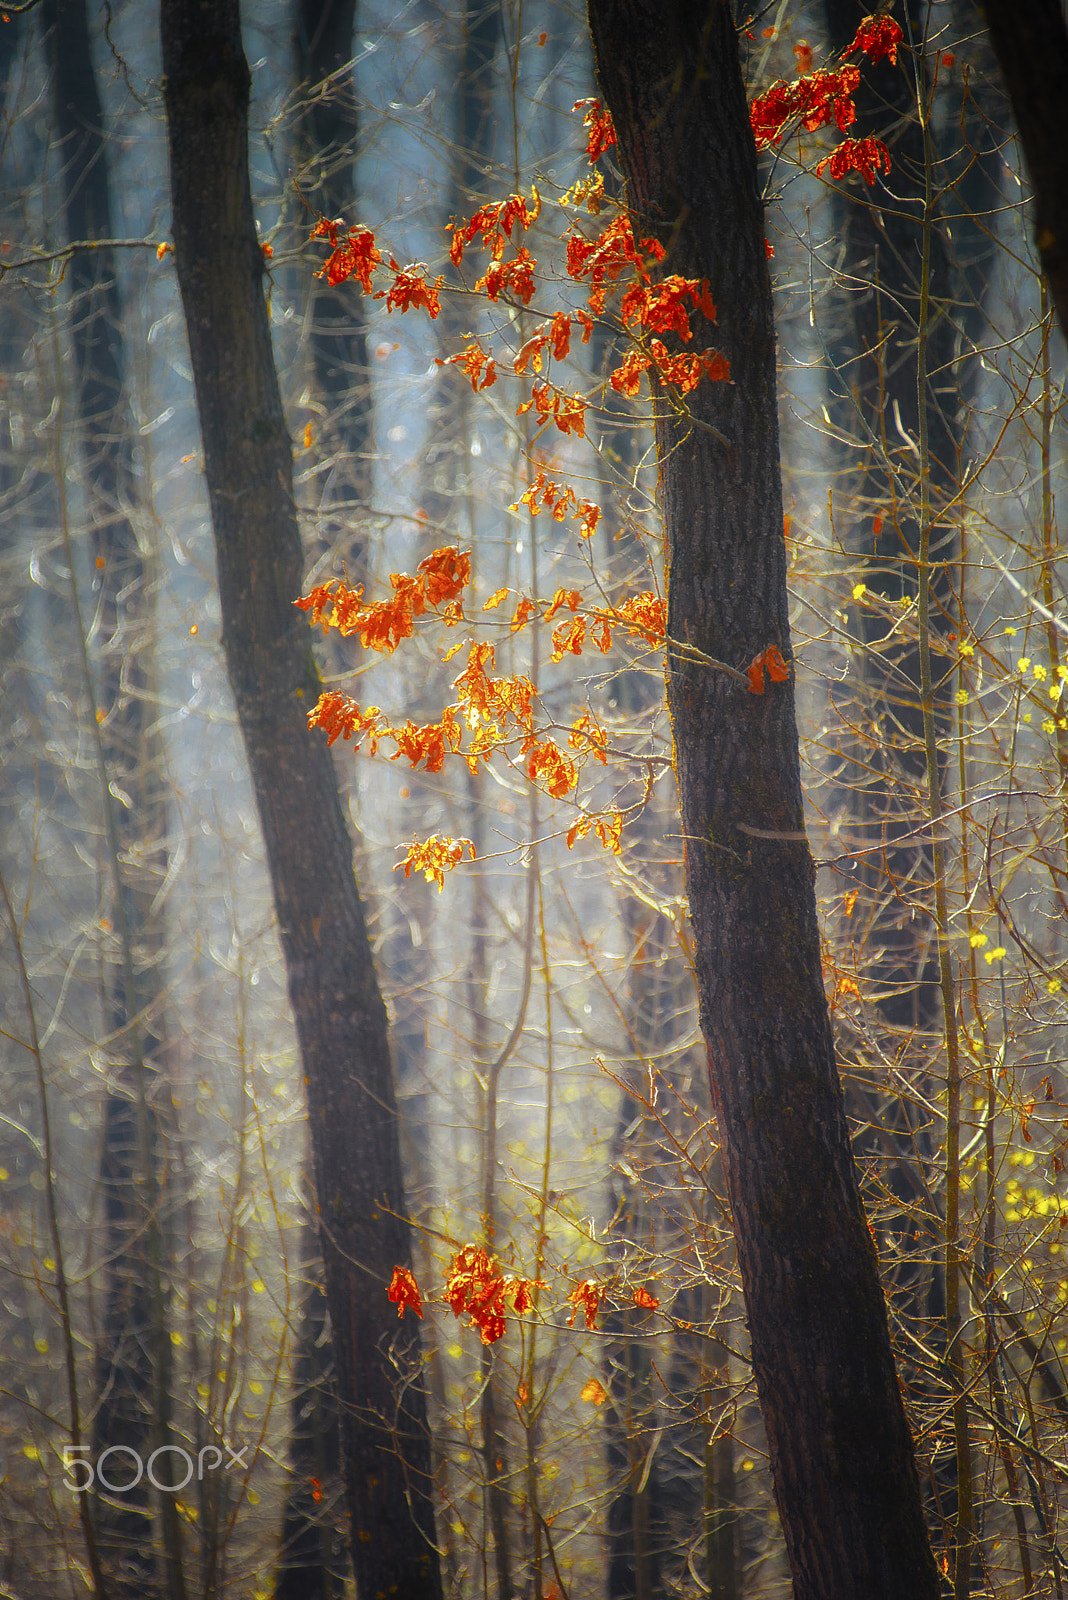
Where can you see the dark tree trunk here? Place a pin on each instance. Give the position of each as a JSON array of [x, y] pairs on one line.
[[339, 1013], [328, 135], [133, 1351], [1031, 44], [841, 1454], [310, 1565]]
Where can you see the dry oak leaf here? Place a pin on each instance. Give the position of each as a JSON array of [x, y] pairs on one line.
[[476, 1287], [602, 132], [878, 37], [814, 99], [434, 857], [404, 1292], [557, 771], [588, 1295], [865, 156], [771, 661], [356, 258]]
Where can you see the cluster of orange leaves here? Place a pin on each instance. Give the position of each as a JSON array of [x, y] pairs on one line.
[[434, 857], [490, 710], [598, 121], [493, 711], [476, 1287], [865, 156], [562, 500], [817, 97], [684, 371], [441, 576], [495, 222], [357, 256]]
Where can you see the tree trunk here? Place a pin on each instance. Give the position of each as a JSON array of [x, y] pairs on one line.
[[841, 1454], [339, 1014], [1031, 44], [133, 1351]]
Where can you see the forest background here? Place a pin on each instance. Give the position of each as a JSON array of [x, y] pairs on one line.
[[161, 1278]]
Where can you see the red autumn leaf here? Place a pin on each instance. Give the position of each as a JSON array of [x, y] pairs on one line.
[[557, 771], [661, 307], [588, 1295], [647, 1301], [563, 597], [446, 573], [476, 363], [587, 734], [877, 37], [771, 661], [602, 132], [813, 100], [477, 1288], [865, 156], [525, 609], [404, 1292], [410, 289], [429, 744], [495, 222], [627, 379], [357, 257], [560, 333], [341, 718], [600, 261], [516, 276], [531, 351], [590, 516]]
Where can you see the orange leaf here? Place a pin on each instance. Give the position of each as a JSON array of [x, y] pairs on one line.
[[438, 855], [770, 660], [593, 1392], [494, 600], [410, 289], [647, 1301], [588, 1295], [356, 258], [865, 156], [557, 770], [563, 597], [602, 133], [404, 1292], [878, 37], [523, 610]]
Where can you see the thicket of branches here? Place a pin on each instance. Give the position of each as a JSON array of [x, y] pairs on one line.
[[158, 1227]]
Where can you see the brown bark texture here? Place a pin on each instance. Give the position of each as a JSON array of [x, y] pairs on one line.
[[841, 1454], [338, 1009], [1031, 44]]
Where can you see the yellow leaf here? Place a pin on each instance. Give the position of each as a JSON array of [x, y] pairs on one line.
[[593, 1392], [495, 599]]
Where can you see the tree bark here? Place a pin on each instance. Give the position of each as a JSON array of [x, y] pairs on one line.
[[1031, 44], [841, 1454], [339, 1013], [133, 1368]]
